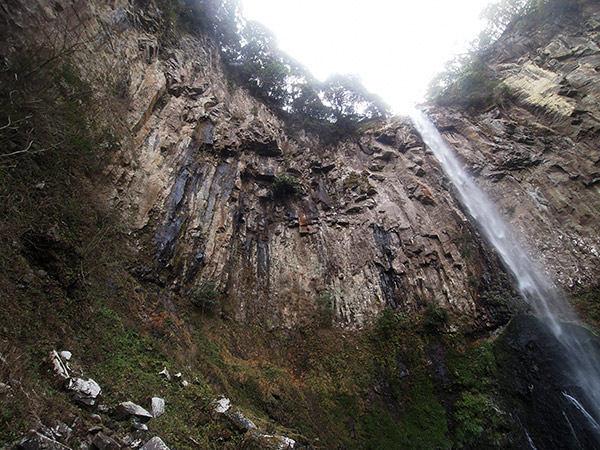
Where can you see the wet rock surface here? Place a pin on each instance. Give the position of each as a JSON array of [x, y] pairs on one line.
[[537, 378]]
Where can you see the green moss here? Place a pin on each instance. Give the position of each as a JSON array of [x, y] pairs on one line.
[[479, 411], [587, 303], [435, 316], [205, 296], [479, 420], [325, 313]]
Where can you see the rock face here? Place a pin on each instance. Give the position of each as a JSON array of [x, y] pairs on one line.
[[538, 156], [377, 224], [539, 385]]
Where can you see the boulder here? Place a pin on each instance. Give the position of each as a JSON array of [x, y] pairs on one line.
[[157, 407], [260, 441], [165, 373], [240, 421], [221, 404], [37, 441], [140, 426], [155, 443], [126, 410], [60, 368], [62, 431], [103, 442], [130, 441], [85, 392]]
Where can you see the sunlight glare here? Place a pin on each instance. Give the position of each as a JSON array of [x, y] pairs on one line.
[[396, 47]]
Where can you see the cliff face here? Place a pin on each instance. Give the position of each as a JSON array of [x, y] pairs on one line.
[[376, 224], [537, 156]]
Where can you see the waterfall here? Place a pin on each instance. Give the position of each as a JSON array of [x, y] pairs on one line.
[[538, 290]]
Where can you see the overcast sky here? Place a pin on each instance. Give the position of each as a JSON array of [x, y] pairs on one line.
[[395, 46]]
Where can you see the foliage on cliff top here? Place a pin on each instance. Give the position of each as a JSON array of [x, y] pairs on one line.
[[332, 109], [467, 82]]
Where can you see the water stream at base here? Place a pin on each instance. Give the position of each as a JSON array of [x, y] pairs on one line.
[[545, 299]]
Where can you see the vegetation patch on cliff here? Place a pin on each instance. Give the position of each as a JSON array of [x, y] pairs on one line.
[[468, 82]]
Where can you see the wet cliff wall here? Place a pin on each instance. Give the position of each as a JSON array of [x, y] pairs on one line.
[[373, 226], [537, 153]]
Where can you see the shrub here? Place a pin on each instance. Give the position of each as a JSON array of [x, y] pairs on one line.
[[390, 321], [435, 315], [324, 302], [286, 186], [205, 296]]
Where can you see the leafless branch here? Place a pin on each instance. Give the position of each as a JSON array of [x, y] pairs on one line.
[[11, 125], [18, 151]]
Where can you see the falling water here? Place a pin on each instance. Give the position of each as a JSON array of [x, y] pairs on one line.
[[546, 300]]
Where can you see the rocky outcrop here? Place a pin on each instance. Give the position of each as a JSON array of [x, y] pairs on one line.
[[537, 156]]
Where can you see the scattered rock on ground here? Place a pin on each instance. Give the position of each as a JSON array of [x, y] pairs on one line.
[[140, 426], [240, 421], [85, 392], [155, 443], [63, 432], [60, 368], [126, 410], [37, 441], [157, 407], [221, 404], [165, 373], [260, 441], [103, 442], [131, 441]]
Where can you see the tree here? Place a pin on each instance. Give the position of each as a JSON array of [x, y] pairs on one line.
[[350, 100]]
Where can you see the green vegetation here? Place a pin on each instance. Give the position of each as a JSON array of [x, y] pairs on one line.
[[435, 316], [478, 413], [469, 85], [467, 82], [286, 186], [587, 304], [389, 322], [205, 296], [325, 312], [66, 282], [333, 109]]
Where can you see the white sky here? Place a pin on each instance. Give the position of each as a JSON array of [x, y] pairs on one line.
[[395, 46]]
